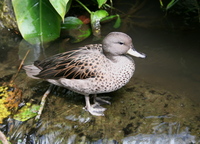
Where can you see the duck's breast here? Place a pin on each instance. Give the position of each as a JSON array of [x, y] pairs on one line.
[[114, 76]]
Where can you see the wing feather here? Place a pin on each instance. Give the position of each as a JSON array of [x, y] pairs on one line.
[[71, 65]]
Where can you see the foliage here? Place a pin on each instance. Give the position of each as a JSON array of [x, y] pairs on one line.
[[188, 10], [10, 97], [39, 21], [61, 6], [26, 112], [169, 5]]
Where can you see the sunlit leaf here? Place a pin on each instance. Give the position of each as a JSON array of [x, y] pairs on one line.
[[27, 112], [71, 23], [98, 15], [61, 6], [37, 20], [95, 21], [10, 97], [101, 2], [4, 112]]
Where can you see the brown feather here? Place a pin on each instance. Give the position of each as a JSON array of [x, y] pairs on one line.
[[71, 65]]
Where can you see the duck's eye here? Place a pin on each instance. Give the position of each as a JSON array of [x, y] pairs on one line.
[[121, 43]]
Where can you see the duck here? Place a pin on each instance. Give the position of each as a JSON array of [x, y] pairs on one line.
[[90, 70]]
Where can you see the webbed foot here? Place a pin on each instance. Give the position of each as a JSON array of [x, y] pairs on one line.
[[94, 109]]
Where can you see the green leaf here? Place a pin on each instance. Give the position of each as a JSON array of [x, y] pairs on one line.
[[118, 22], [108, 18], [98, 15], [101, 2], [170, 4], [71, 23], [161, 3], [95, 21], [27, 112], [37, 20], [61, 6]]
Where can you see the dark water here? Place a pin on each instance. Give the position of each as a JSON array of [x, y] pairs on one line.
[[172, 62], [159, 105]]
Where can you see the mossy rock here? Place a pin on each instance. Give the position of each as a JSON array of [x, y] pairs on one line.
[[7, 17]]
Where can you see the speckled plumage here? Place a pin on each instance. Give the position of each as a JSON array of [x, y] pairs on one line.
[[92, 69]]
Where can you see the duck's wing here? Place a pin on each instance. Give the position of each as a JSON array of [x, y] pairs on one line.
[[75, 64]]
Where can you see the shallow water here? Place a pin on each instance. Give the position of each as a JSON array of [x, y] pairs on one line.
[[159, 105]]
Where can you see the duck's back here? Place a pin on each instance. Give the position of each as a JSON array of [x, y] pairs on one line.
[[76, 64]]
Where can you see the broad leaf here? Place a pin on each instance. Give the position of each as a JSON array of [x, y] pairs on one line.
[[98, 15], [37, 20], [27, 112], [95, 21], [61, 6], [101, 2], [71, 23]]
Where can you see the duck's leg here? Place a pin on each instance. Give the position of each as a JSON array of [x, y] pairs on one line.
[[94, 109], [101, 100]]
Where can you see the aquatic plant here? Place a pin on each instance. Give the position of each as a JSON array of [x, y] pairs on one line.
[[187, 10], [41, 21]]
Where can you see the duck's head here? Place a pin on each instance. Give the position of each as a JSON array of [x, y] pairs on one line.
[[118, 43]]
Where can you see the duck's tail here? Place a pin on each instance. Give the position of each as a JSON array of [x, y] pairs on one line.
[[31, 71]]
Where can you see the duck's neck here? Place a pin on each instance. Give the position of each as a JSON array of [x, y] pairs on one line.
[[114, 58]]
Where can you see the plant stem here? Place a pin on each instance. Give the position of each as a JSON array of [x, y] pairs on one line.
[[84, 6]]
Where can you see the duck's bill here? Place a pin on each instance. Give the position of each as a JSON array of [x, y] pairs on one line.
[[133, 52]]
